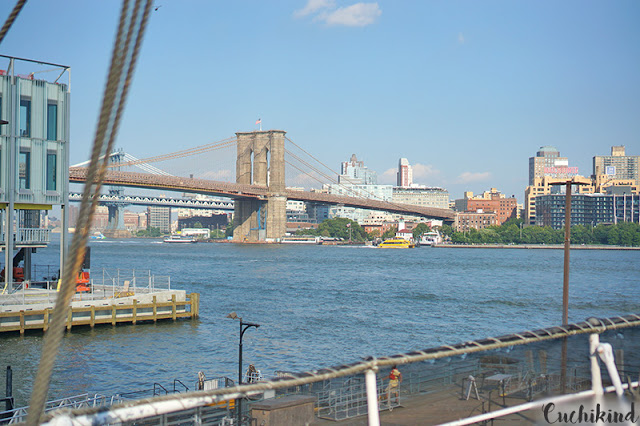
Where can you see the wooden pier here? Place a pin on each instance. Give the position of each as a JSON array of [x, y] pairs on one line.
[[105, 311]]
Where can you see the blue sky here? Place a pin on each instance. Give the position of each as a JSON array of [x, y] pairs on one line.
[[466, 90]]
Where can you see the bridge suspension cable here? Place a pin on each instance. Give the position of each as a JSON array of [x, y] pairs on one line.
[[356, 193], [225, 143]]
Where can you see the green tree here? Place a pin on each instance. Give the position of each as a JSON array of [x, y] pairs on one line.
[[420, 229], [390, 233]]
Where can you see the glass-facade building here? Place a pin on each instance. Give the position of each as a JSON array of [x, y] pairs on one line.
[[587, 209]]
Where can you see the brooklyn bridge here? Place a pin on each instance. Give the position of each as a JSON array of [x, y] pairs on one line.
[[259, 191]]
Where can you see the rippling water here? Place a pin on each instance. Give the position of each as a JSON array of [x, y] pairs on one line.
[[319, 306]]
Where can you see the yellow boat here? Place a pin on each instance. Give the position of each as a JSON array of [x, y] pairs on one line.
[[396, 243]]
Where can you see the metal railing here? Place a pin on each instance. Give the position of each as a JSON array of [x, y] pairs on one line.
[[29, 236], [510, 370], [19, 415]]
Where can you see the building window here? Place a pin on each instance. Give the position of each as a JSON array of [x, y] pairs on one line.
[[51, 171], [25, 118], [52, 122], [24, 170]]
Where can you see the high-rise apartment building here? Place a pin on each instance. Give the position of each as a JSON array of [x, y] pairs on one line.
[[548, 162], [548, 185], [616, 166], [356, 173], [422, 196], [405, 173], [159, 217]]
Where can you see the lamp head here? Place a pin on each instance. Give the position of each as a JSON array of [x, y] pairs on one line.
[[232, 315]]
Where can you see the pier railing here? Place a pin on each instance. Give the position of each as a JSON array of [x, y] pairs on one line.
[[105, 284], [493, 378]]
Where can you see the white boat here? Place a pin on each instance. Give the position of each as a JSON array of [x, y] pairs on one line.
[[430, 238], [179, 239], [97, 236]]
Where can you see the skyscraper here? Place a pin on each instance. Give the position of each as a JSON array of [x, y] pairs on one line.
[[617, 165], [405, 173], [548, 162], [356, 173]]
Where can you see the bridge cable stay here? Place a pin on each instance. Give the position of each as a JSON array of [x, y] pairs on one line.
[[302, 171], [146, 167], [373, 196], [225, 143], [131, 29]]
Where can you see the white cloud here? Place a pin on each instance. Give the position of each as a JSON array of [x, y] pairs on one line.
[[314, 6], [389, 176], [460, 38], [423, 171], [356, 15], [468, 177]]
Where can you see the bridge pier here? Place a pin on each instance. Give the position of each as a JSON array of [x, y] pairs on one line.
[[260, 161]]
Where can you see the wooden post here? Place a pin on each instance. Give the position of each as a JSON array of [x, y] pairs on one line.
[[93, 316], [113, 314], [173, 306], [195, 305], [45, 323], [21, 322], [69, 318], [155, 309], [135, 309]]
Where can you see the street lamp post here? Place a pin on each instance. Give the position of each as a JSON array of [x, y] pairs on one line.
[[244, 326]]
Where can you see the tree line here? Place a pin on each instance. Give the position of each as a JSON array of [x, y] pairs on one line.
[[512, 232]]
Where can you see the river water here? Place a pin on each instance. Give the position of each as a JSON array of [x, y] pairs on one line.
[[318, 306]]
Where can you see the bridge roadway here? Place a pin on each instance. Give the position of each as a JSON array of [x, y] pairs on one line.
[[242, 191], [142, 200]]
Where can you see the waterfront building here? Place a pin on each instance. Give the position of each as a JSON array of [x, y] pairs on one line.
[[159, 217], [376, 192], [545, 186], [317, 212], [617, 168], [490, 201], [356, 173], [548, 162], [588, 209], [421, 196], [477, 220], [405, 173], [209, 221], [34, 142]]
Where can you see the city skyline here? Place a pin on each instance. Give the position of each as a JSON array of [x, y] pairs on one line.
[[467, 92]]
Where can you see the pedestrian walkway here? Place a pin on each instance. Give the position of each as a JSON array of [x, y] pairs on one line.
[[433, 409]]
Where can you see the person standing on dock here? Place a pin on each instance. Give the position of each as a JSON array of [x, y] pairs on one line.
[[395, 378]]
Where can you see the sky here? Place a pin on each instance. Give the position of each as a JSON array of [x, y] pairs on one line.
[[467, 91]]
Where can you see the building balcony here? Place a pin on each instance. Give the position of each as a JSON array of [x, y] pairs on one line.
[[29, 237]]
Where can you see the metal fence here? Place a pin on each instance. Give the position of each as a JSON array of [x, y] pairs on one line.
[[477, 378], [103, 285]]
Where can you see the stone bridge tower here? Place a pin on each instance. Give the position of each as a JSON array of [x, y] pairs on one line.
[[260, 161]]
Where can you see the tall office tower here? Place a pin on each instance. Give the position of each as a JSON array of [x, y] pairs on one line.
[[356, 173], [548, 162], [616, 166], [405, 173]]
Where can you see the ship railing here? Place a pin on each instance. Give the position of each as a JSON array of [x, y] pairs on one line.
[[29, 236], [474, 381]]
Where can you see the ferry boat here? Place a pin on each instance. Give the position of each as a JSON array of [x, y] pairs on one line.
[[397, 243], [430, 238], [179, 239]]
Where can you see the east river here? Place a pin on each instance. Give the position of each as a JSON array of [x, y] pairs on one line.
[[318, 306]]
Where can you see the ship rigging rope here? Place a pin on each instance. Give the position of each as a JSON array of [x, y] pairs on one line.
[[179, 154], [131, 410], [131, 28], [11, 19]]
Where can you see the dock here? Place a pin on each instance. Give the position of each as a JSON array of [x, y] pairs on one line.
[[111, 301]]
